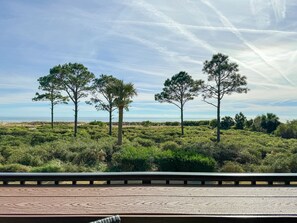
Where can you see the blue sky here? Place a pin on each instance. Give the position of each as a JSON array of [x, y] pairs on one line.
[[145, 42]]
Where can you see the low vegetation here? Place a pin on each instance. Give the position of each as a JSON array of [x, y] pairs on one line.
[[147, 146]]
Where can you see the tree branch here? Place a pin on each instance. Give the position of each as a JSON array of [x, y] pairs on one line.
[[210, 103]]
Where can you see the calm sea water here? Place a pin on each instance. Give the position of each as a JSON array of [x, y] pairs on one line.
[[86, 119]]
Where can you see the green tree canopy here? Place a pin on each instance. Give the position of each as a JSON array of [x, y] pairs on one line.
[[178, 90], [75, 80], [103, 87], [49, 85], [223, 79]]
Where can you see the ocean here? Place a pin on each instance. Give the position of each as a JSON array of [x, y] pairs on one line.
[[89, 119]]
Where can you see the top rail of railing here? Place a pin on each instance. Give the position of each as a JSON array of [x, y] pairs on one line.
[[150, 178]]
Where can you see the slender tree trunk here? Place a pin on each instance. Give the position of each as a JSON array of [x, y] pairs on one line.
[[75, 118], [219, 110], [219, 121], [110, 123], [120, 126], [182, 119], [52, 115]]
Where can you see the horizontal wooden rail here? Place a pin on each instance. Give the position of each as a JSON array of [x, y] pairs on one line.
[[212, 179]]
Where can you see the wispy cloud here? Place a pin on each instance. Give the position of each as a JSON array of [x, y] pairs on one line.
[[279, 8], [207, 27], [257, 51]]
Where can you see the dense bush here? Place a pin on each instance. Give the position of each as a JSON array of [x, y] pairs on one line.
[[99, 123], [288, 130], [53, 166], [240, 121], [248, 123], [171, 123], [40, 138], [144, 142], [151, 158], [147, 123], [278, 162], [227, 122], [183, 161], [196, 123], [231, 167], [14, 168], [213, 123], [265, 123], [170, 146], [134, 159]]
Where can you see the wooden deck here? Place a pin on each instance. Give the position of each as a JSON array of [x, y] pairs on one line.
[[147, 203]]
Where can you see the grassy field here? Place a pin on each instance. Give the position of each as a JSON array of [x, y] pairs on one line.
[[35, 147]]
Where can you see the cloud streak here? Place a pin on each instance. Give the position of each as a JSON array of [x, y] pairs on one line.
[[235, 31]]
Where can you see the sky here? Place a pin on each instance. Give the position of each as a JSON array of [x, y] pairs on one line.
[[145, 42]]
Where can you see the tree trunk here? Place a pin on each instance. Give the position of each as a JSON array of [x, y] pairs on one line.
[[75, 118], [52, 115], [182, 120], [219, 110], [110, 123], [218, 121], [120, 126]]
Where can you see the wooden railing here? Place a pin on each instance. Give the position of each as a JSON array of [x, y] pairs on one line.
[[147, 178], [38, 180]]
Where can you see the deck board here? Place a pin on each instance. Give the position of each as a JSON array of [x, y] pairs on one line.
[[148, 200], [146, 191]]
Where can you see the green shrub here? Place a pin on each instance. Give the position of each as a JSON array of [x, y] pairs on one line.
[[196, 123], [25, 157], [226, 152], [38, 139], [98, 123], [2, 159], [288, 130], [135, 159], [87, 157], [53, 166], [213, 123], [18, 131], [227, 122], [170, 146], [266, 123], [75, 168], [249, 123], [144, 142], [231, 167], [14, 168], [184, 161], [245, 157], [279, 162], [172, 123], [240, 120], [146, 123]]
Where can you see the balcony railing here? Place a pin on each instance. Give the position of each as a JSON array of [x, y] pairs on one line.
[[22, 205], [148, 178]]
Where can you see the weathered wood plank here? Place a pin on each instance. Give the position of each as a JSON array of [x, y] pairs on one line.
[[147, 191], [149, 204], [201, 205]]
